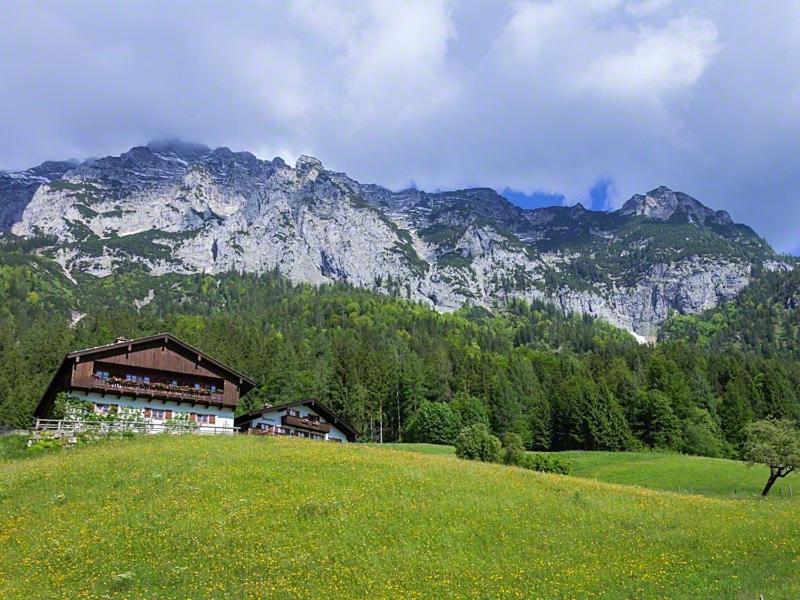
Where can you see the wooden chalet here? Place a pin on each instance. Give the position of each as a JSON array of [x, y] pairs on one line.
[[306, 418], [158, 376]]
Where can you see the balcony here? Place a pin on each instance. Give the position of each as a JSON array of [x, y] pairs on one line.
[[307, 424], [161, 391], [270, 430]]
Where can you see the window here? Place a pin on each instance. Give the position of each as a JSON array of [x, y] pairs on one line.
[[197, 386], [146, 379], [102, 409], [206, 419], [157, 414], [213, 388], [102, 374], [174, 383], [294, 413]]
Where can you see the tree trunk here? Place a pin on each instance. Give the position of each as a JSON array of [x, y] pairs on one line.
[[772, 479]]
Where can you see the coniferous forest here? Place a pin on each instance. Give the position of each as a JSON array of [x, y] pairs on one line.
[[401, 371]]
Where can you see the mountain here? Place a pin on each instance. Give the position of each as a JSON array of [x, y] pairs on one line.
[[764, 318], [174, 207], [17, 189]]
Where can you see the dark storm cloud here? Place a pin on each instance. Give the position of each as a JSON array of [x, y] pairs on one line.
[[542, 97]]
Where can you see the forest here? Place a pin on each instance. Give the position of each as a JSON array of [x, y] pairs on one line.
[[400, 371]]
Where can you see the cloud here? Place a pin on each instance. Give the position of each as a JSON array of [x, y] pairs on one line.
[[550, 98], [656, 60]]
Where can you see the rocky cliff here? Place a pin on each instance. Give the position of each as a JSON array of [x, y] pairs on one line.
[[176, 207]]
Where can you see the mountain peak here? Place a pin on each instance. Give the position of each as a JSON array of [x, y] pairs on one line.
[[662, 204], [178, 147], [305, 163], [659, 204]]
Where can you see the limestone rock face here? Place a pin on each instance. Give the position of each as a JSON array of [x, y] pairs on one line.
[[17, 189], [187, 208]]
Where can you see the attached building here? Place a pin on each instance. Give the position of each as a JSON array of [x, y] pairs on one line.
[[158, 376], [307, 418]]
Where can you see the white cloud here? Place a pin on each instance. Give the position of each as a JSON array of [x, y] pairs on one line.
[[659, 60], [396, 63]]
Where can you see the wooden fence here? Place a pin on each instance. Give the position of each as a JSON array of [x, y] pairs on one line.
[[66, 427]]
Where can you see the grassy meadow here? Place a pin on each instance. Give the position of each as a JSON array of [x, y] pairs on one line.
[[202, 517], [666, 471], [680, 473]]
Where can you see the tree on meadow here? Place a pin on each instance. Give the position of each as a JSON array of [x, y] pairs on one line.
[[774, 443]]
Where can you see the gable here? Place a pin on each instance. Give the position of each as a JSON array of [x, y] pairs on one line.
[[176, 355], [163, 357], [158, 355], [273, 415]]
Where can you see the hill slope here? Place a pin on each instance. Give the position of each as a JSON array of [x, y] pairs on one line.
[[665, 471], [204, 517], [677, 473], [764, 318], [185, 208]]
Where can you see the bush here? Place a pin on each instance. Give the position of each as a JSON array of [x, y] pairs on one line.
[[179, 423], [513, 449], [477, 443], [433, 423], [45, 443], [546, 463]]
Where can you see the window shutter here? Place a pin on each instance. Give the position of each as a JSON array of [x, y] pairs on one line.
[[193, 417], [148, 413], [168, 415], [212, 419]]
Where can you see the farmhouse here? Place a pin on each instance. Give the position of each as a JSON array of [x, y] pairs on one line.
[[158, 379], [307, 418]]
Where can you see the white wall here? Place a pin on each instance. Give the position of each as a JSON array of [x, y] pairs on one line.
[[223, 416], [274, 418]]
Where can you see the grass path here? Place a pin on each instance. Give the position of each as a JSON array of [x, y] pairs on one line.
[[197, 517]]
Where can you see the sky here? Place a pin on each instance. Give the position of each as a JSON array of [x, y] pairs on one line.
[[548, 101]]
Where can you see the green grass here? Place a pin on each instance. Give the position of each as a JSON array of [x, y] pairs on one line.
[[203, 517], [661, 471], [13, 446], [678, 473], [435, 449]]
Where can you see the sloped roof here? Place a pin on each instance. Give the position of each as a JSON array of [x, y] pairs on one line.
[[164, 336], [320, 408], [246, 383]]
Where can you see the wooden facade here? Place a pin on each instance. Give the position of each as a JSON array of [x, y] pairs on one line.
[[158, 368]]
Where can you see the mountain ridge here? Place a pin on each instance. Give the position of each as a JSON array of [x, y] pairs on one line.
[[173, 206]]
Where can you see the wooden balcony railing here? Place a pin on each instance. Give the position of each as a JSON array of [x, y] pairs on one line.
[[288, 432], [152, 390], [307, 424]]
